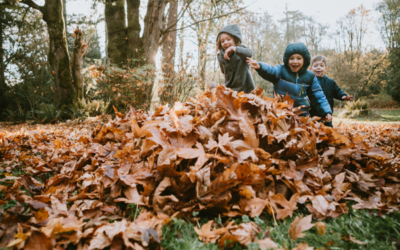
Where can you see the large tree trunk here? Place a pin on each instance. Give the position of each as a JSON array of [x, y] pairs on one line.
[[135, 44], [3, 86], [2, 66], [152, 29], [76, 63], [116, 31], [168, 55], [58, 54]]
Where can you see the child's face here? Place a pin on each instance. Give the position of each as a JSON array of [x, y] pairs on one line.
[[227, 41], [296, 62], [319, 68]]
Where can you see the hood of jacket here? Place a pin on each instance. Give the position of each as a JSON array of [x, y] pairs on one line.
[[233, 30], [297, 48]]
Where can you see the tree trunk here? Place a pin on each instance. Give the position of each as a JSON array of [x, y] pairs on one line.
[[3, 86], [76, 63], [2, 66], [135, 44], [58, 53], [152, 29], [168, 55], [116, 31], [65, 13]]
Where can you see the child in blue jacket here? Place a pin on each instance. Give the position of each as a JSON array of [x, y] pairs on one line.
[[294, 78], [319, 66]]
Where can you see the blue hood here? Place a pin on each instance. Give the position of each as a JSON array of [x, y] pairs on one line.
[[297, 48]]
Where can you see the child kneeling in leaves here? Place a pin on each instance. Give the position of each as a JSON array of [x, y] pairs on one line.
[[294, 78]]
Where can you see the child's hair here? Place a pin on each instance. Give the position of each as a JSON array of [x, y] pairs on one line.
[[218, 43], [319, 58]]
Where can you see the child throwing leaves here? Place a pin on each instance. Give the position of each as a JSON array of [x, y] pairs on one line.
[[319, 65], [293, 78], [232, 59]]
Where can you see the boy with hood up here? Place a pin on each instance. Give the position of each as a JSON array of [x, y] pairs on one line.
[[293, 78], [232, 59]]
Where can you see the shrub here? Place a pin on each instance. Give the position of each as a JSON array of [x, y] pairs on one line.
[[17, 115], [357, 105], [49, 113], [123, 88], [82, 109]]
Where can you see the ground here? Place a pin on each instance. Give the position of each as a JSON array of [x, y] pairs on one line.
[[358, 229]]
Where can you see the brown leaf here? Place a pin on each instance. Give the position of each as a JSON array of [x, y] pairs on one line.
[[38, 241], [299, 225], [321, 228]]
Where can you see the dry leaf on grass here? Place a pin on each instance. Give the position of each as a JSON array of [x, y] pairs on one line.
[[299, 225]]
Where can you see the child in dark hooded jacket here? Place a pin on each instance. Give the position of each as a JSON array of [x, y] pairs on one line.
[[294, 78], [232, 59]]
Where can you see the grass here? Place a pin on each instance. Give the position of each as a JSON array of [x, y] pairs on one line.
[[378, 115], [379, 232]]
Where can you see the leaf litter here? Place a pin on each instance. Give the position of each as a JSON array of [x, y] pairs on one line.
[[224, 154]]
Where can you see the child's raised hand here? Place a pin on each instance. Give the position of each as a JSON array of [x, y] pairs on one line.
[[347, 98], [229, 51], [253, 63]]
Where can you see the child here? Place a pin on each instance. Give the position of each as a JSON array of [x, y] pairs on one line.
[[232, 59], [319, 65], [293, 78]]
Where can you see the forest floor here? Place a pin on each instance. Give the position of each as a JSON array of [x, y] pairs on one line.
[[356, 229], [377, 116]]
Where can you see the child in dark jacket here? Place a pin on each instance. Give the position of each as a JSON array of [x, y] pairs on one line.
[[232, 59], [319, 66], [293, 78]]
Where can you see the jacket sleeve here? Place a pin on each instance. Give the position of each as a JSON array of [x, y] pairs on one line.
[[243, 52], [269, 72], [221, 67], [318, 99], [338, 93]]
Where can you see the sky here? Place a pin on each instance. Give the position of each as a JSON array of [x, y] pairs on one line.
[[324, 11]]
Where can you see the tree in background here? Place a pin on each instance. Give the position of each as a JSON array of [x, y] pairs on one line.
[[58, 55], [346, 67], [389, 26]]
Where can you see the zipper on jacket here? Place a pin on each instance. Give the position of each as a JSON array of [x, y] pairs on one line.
[[301, 90]]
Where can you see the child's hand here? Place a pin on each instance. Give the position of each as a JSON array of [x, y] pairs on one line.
[[253, 63], [328, 117], [347, 98], [229, 51]]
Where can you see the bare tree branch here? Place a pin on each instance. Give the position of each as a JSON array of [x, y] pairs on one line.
[[32, 4], [207, 19]]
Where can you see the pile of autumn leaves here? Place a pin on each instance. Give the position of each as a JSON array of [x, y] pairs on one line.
[[224, 154]]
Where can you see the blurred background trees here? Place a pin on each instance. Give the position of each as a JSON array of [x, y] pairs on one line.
[[158, 52]]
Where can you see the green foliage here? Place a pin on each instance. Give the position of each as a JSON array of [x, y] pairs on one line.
[[9, 204], [134, 211], [49, 113], [17, 115]]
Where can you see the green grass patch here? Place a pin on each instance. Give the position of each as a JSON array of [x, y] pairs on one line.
[[379, 232]]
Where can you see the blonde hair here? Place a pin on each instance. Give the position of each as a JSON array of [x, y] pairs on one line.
[[319, 58], [219, 45]]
